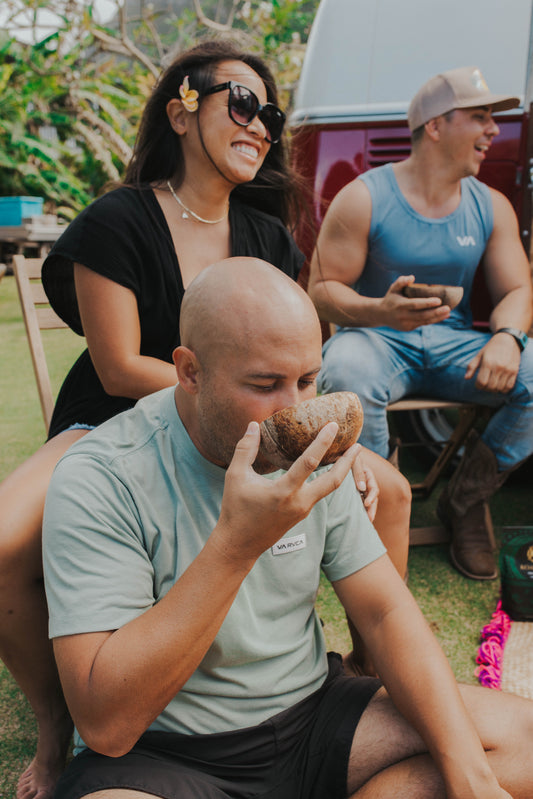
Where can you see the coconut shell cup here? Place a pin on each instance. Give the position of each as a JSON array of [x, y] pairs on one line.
[[288, 433], [449, 295]]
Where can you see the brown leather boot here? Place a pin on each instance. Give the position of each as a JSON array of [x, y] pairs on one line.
[[463, 508]]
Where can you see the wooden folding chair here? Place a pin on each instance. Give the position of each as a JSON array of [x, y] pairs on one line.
[[37, 316], [468, 415]]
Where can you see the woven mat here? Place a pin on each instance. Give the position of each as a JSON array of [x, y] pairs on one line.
[[517, 666]]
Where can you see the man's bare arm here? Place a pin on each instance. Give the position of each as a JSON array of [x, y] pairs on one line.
[[417, 675], [508, 279], [338, 262], [117, 682], [507, 270]]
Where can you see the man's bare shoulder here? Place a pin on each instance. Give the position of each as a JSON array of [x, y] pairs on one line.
[[500, 203], [354, 194], [505, 219], [351, 208]]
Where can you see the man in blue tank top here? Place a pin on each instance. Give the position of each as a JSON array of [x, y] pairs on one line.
[[429, 220]]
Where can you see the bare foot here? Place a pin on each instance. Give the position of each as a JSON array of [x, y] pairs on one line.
[[37, 783], [40, 778]]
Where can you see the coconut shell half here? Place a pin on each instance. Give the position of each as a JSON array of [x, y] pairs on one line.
[[449, 295], [288, 433]]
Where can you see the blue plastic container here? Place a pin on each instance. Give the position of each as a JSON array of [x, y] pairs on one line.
[[14, 209]]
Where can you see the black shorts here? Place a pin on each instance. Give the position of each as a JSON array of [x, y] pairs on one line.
[[301, 753]]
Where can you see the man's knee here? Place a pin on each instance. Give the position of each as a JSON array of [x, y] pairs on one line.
[[382, 738], [504, 721], [523, 727]]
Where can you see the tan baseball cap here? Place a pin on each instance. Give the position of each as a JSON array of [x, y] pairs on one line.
[[464, 87]]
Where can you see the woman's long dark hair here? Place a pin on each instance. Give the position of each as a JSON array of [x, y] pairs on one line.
[[158, 156]]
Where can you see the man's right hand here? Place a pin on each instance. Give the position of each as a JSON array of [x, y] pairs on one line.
[[408, 313], [257, 511]]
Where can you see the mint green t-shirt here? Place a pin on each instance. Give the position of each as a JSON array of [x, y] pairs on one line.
[[132, 504]]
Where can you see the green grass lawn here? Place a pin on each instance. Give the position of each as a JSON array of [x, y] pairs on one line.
[[455, 608]]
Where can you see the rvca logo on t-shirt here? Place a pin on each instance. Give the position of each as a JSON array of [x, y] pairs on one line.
[[466, 241]]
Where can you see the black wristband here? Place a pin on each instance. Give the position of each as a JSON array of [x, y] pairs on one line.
[[519, 336]]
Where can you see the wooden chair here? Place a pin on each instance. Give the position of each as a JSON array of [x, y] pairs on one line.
[[37, 316], [468, 415]]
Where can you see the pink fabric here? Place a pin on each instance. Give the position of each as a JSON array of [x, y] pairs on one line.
[[490, 654]]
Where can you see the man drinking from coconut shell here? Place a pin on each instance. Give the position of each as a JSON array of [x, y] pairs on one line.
[[182, 570]]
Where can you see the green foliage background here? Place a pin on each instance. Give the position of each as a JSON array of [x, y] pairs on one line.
[[71, 102]]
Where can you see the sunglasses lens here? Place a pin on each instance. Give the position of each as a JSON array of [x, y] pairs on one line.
[[273, 119], [243, 105]]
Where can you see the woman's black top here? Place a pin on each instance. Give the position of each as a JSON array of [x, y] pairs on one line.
[[124, 236]]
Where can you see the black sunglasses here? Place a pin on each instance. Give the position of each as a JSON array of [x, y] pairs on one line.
[[243, 106]]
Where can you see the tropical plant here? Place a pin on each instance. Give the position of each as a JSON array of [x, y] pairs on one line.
[[68, 115], [71, 99]]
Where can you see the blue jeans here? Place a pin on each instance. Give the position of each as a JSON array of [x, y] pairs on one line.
[[382, 365]]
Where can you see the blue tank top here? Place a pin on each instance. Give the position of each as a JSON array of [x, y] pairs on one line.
[[403, 242]]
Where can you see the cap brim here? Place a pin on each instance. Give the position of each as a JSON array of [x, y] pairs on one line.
[[498, 102]]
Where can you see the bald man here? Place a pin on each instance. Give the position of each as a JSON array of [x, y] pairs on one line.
[[181, 574]]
